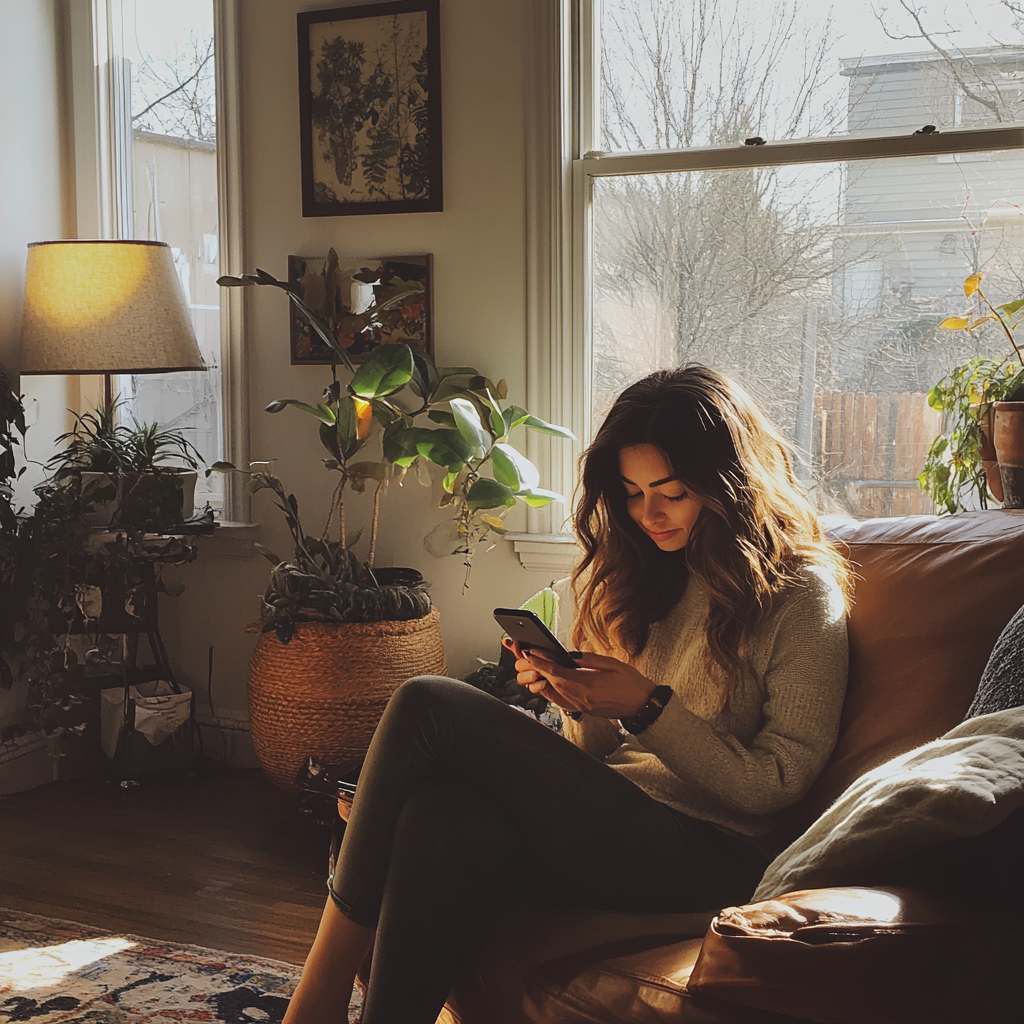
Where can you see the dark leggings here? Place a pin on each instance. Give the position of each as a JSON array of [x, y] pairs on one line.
[[464, 802]]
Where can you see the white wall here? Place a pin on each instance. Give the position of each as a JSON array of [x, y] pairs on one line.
[[478, 244], [31, 185]]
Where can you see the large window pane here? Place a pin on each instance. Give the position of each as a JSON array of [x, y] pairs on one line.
[[821, 288], [681, 73], [174, 196]]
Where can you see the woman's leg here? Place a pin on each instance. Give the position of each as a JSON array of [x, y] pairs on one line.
[[585, 831]]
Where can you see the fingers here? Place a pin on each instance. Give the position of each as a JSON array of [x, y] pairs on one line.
[[344, 806]]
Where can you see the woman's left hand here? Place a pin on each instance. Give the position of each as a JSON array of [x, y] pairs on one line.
[[602, 686]]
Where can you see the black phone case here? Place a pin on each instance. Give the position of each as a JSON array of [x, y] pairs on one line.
[[527, 629]]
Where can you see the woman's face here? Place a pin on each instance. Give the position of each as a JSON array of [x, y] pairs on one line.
[[656, 500]]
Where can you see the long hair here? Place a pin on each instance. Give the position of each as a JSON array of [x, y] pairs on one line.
[[755, 533]]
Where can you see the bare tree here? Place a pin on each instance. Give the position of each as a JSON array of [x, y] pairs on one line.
[[175, 94]]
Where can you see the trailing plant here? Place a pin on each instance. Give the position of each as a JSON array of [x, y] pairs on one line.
[[953, 472], [401, 390], [12, 426]]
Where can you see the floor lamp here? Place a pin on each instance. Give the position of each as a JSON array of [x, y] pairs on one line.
[[105, 307]]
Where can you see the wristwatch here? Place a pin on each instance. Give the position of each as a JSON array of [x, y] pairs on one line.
[[648, 714]]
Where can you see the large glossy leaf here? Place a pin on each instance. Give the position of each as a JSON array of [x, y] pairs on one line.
[[424, 374], [458, 385], [486, 493], [493, 412], [467, 420], [388, 370], [529, 475], [504, 469], [330, 440], [441, 416], [536, 423], [400, 444]]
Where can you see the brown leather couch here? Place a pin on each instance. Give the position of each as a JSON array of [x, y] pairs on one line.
[[933, 594]]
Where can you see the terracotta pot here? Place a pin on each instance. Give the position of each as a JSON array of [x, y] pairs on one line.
[[989, 462], [324, 691], [1008, 437]]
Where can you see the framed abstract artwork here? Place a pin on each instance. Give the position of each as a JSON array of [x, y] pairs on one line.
[[336, 285], [370, 109]]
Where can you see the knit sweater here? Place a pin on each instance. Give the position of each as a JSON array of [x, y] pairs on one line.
[[736, 766]]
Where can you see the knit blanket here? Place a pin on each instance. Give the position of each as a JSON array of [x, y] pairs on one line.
[[962, 784]]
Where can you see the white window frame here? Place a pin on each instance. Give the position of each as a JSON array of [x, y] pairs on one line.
[[102, 157], [563, 162]]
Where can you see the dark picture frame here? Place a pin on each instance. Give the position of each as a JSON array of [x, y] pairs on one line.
[[370, 109]]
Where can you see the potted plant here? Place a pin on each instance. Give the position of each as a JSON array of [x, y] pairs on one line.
[[151, 473], [335, 628], [983, 429]]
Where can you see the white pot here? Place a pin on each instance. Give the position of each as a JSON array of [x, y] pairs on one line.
[[103, 511]]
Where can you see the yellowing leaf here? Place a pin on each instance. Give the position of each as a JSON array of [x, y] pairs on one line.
[[971, 284], [954, 323], [364, 417], [493, 521]]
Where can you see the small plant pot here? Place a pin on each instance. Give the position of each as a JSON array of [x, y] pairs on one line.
[[103, 511], [989, 460], [1008, 437]]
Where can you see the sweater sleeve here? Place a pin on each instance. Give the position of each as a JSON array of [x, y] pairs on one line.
[[597, 736], [805, 662]]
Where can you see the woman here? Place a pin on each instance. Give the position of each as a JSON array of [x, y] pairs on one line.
[[712, 612]]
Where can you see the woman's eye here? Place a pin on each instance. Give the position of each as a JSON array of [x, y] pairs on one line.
[[630, 497], [681, 497]]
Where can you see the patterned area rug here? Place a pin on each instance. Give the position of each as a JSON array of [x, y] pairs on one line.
[[53, 971]]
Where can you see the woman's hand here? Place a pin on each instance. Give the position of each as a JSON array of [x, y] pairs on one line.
[[602, 686]]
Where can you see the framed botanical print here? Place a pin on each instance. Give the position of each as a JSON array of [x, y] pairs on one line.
[[337, 285], [370, 108]]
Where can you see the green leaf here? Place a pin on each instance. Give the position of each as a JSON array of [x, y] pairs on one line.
[[329, 439], [544, 604], [321, 412], [220, 467], [1009, 308], [538, 497], [400, 443], [388, 370], [486, 493], [535, 423], [513, 416], [496, 420], [440, 416], [504, 468], [529, 475], [467, 419]]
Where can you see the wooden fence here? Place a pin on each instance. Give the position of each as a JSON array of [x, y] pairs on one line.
[[870, 448]]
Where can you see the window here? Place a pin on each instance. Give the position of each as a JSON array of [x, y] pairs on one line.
[[149, 90], [748, 191]]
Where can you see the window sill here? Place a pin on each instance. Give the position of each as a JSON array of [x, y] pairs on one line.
[[553, 553], [230, 539]]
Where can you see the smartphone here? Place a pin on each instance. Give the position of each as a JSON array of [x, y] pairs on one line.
[[528, 630]]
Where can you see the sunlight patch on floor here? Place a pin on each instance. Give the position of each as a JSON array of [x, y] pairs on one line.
[[42, 966]]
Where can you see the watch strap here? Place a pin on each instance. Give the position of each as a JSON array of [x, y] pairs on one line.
[[649, 713]]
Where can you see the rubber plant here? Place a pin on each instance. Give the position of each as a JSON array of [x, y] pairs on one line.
[[453, 417], [953, 473]]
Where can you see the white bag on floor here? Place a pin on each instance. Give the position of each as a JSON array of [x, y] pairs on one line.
[[159, 712]]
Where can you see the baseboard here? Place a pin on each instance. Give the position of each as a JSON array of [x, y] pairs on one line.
[[226, 739], [25, 764]]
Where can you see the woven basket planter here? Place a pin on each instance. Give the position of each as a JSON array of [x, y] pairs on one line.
[[324, 691]]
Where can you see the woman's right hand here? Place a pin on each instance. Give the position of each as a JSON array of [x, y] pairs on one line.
[[528, 676]]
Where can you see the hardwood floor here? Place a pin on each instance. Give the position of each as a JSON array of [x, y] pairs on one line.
[[223, 860]]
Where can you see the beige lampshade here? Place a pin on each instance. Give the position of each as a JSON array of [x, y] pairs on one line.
[[105, 307]]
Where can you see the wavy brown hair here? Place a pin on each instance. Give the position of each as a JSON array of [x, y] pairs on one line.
[[754, 535]]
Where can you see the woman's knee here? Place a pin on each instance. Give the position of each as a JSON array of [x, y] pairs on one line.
[[423, 692]]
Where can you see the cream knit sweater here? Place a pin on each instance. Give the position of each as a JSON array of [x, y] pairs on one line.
[[739, 765]]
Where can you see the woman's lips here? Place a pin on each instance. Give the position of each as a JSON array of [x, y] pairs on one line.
[[659, 537]]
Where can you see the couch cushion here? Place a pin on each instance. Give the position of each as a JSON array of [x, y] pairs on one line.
[[933, 595], [862, 956], [561, 966]]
